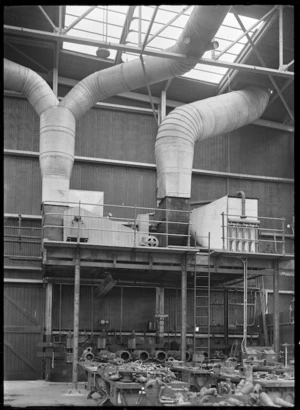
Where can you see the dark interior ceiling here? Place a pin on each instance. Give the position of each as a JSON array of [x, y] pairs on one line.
[[39, 55]]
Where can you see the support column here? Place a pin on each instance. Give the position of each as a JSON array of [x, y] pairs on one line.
[[276, 309], [48, 325], [225, 316], [183, 311], [76, 319], [163, 105], [160, 308]]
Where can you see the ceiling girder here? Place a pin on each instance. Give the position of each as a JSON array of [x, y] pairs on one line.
[[245, 54], [47, 18], [245, 32], [167, 24], [125, 32], [26, 56], [79, 18], [158, 53], [261, 60]]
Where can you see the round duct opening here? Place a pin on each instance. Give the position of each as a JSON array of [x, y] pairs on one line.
[[102, 53]]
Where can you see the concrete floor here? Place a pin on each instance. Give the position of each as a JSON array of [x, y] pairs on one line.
[[39, 393]]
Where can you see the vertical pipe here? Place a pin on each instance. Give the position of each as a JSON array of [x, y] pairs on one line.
[[92, 311], [195, 300], [189, 231], [223, 231], [209, 302], [48, 324], [121, 314], [60, 18], [161, 312], [280, 36], [245, 303], [225, 316], [60, 291], [55, 70], [163, 100], [283, 236], [140, 26], [76, 319], [134, 231], [183, 311], [276, 309]]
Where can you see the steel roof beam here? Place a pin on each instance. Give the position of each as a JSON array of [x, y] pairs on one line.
[[261, 60], [125, 32], [245, 54], [26, 56], [157, 53], [79, 19], [149, 28], [288, 82], [246, 32], [280, 37], [48, 18], [168, 24]]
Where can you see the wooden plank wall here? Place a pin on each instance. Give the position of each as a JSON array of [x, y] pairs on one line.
[[23, 330]]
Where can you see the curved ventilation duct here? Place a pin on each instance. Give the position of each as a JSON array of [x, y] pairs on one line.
[[188, 124], [58, 121], [195, 38]]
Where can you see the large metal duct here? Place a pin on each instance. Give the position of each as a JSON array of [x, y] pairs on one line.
[[188, 124], [57, 129], [58, 121], [30, 84]]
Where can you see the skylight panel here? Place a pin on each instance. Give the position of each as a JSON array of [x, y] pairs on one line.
[[204, 76], [106, 24]]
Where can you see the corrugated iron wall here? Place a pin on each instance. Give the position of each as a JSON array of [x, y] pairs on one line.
[[138, 307], [22, 185], [130, 136], [116, 135], [21, 125]]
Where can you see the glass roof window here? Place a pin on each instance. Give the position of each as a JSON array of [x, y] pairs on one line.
[[106, 24]]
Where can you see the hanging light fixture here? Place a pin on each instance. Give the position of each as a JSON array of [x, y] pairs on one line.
[[104, 52]]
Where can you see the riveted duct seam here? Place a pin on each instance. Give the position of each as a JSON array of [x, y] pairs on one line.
[[184, 126]]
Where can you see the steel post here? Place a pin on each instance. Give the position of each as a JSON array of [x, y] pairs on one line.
[[225, 316], [276, 309], [183, 311], [76, 319], [48, 324]]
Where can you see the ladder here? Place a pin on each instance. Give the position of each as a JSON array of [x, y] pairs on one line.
[[202, 310]]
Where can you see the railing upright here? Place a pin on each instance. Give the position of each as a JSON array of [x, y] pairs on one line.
[[223, 231], [283, 236]]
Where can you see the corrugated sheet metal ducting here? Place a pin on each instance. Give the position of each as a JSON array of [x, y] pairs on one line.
[[58, 121], [188, 124]]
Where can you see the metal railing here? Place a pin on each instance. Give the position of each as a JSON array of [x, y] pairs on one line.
[[266, 234], [133, 226], [21, 243]]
